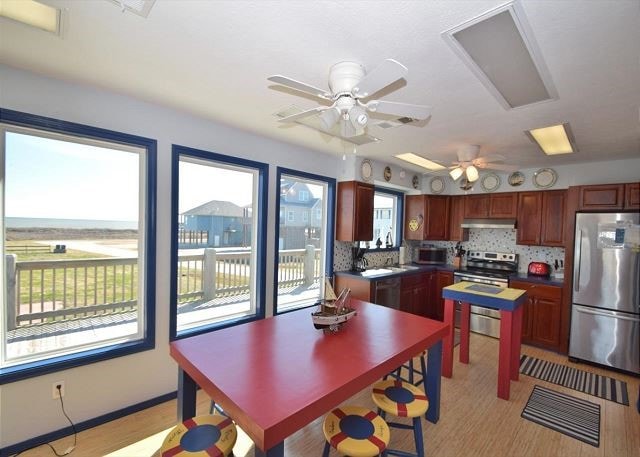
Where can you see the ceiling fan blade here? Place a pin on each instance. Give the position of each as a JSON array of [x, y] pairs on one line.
[[303, 114], [302, 87], [490, 158], [420, 112], [380, 77], [499, 167]]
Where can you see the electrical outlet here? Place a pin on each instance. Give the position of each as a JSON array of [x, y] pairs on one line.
[[55, 392]]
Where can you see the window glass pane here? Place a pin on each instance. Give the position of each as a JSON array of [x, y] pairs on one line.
[[302, 242], [73, 239], [217, 213], [385, 217]]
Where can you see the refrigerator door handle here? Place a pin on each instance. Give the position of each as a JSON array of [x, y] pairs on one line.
[[615, 316], [576, 278]]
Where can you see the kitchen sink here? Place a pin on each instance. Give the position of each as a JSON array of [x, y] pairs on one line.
[[377, 271]]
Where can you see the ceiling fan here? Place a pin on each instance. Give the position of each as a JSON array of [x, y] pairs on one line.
[[469, 162], [349, 85]]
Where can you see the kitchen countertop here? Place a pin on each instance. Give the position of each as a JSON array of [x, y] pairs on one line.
[[385, 272]]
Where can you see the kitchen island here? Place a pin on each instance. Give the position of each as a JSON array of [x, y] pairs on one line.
[[509, 303]]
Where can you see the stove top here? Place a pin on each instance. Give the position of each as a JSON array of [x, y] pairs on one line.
[[490, 264]]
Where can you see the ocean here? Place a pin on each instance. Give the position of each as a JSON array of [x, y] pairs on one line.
[[23, 222]]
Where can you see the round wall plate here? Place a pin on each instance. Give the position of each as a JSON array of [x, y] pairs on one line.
[[516, 179], [415, 181], [387, 173], [436, 185], [544, 178], [490, 182], [366, 170]]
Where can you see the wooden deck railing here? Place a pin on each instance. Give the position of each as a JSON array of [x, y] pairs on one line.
[[40, 292]]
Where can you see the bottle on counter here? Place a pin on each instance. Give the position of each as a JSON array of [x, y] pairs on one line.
[[389, 239]]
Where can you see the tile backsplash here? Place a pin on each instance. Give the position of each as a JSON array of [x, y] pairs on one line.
[[500, 240]]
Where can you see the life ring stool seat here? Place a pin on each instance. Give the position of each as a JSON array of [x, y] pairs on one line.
[[355, 431], [201, 436]]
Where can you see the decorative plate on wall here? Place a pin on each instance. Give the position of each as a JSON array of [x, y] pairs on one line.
[[490, 182], [436, 185], [387, 174], [544, 178], [366, 170], [516, 179], [415, 181]]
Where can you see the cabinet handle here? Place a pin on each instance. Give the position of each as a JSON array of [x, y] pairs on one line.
[[576, 279]]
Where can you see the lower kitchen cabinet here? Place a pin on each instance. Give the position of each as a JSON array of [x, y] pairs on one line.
[[541, 315], [414, 293], [443, 279]]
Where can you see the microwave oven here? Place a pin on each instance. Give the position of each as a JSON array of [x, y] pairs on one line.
[[431, 256]]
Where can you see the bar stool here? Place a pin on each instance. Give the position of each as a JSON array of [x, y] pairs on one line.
[[201, 435], [402, 399], [355, 431], [409, 366]]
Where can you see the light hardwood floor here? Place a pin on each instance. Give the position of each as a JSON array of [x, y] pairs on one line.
[[473, 421]]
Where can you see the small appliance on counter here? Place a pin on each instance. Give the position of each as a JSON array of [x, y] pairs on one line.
[[539, 269], [359, 263], [430, 255]]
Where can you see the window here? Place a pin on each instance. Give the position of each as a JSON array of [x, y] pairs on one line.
[[304, 254], [303, 196], [387, 218], [318, 213], [79, 245], [291, 217], [217, 277]]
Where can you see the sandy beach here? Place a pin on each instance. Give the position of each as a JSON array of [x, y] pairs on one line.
[[46, 233]]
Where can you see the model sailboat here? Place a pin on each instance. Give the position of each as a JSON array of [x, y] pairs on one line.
[[333, 311]]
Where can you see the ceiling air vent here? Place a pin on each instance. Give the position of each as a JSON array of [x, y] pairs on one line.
[[499, 48], [139, 7]]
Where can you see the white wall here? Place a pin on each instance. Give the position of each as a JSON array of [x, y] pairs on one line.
[[27, 409]]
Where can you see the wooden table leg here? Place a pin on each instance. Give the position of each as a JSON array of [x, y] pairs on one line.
[[433, 381], [516, 339], [447, 356], [465, 328], [186, 396], [505, 358], [275, 451]]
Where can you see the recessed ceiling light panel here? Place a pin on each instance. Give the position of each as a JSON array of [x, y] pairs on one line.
[[553, 140], [500, 50], [420, 161], [32, 13]]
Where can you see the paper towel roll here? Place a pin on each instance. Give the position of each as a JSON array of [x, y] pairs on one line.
[[402, 255]]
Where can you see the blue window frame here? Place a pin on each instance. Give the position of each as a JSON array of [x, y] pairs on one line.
[[219, 208], [304, 253], [387, 216], [104, 144]]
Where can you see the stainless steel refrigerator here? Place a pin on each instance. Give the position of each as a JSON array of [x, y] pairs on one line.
[[605, 313]]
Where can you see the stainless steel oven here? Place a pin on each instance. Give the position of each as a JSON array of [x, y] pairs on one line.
[[492, 268]]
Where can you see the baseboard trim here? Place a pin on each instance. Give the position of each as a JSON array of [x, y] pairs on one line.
[[80, 426]]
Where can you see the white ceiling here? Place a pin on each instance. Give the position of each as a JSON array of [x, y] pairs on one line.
[[212, 58]]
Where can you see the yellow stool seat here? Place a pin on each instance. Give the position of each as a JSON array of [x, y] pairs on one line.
[[201, 436], [356, 432], [399, 398]]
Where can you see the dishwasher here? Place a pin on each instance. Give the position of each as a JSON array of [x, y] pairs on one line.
[[387, 293]]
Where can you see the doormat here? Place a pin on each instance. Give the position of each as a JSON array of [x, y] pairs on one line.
[[574, 417], [590, 383]]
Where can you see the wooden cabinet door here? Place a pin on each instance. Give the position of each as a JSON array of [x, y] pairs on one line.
[[553, 215], [406, 300], [437, 219], [415, 213], [355, 211], [476, 206], [527, 311], [529, 219], [443, 279], [605, 196], [456, 215], [632, 196], [503, 205], [547, 311]]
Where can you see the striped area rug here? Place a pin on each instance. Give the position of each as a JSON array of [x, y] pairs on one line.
[[563, 413], [590, 383]]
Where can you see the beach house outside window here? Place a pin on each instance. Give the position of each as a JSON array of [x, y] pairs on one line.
[[304, 250], [387, 217], [78, 252], [218, 275]]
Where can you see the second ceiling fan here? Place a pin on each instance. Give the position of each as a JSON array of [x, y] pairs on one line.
[[469, 161], [349, 86]]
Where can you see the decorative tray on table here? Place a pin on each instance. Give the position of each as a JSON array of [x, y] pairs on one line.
[[333, 311]]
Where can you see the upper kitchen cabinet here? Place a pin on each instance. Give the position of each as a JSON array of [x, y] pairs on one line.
[[632, 195], [601, 197], [355, 211], [529, 222], [494, 206], [553, 213], [426, 217], [456, 216]]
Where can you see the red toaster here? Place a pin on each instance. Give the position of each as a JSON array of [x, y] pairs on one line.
[[539, 269]]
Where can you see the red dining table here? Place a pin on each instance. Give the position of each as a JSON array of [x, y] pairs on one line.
[[276, 375]]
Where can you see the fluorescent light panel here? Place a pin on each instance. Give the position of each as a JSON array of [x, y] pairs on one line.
[[32, 13], [420, 161], [553, 140]]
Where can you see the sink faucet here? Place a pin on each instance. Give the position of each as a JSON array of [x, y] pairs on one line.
[[389, 261]]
